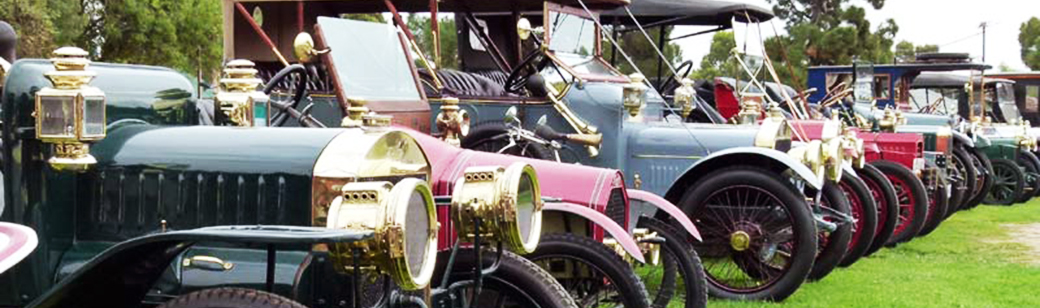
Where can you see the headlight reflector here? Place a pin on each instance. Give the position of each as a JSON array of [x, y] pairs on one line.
[[507, 201], [812, 156]]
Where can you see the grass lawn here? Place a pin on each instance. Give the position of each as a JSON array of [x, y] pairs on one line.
[[972, 260]]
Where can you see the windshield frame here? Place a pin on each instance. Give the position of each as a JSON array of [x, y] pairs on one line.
[[597, 54]]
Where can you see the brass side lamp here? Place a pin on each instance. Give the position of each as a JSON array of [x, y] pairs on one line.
[[239, 102], [71, 114], [499, 204], [634, 96], [684, 97], [452, 122]]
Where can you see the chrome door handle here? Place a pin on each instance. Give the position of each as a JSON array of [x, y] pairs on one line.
[[207, 263]]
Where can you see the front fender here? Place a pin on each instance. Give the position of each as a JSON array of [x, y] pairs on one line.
[[964, 139], [780, 157], [615, 230], [982, 141], [674, 211], [16, 244], [847, 168]]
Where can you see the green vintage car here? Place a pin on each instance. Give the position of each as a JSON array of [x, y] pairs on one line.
[[135, 205]]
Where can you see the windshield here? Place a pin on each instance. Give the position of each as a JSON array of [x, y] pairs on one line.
[[1005, 96], [935, 100], [571, 34], [370, 60]]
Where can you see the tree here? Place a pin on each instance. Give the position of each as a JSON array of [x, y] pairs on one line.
[[43, 25], [827, 32], [906, 51], [642, 52], [1029, 38], [449, 42], [719, 60]]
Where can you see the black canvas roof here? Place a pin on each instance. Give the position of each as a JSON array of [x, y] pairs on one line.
[[690, 12]]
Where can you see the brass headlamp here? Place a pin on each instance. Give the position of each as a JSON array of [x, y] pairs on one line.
[[833, 157], [634, 95], [891, 119], [684, 97], [70, 115], [239, 103], [404, 221], [854, 148], [1025, 141], [507, 202], [774, 133], [812, 156]]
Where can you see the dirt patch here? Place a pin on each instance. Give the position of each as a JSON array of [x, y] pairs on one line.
[[1028, 235]]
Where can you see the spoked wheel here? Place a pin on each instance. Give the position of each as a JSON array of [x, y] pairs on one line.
[[592, 274], [887, 205], [231, 298], [912, 198], [938, 203], [517, 283], [1031, 164], [494, 138], [832, 244], [759, 234], [864, 215], [969, 177], [679, 275], [1008, 182], [984, 177]]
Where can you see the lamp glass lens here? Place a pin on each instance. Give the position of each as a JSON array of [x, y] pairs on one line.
[[525, 206], [417, 227], [94, 116], [58, 116]]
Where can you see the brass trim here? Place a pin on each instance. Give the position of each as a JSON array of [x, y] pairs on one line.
[[493, 194]]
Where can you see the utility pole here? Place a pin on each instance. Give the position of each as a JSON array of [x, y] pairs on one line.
[[983, 26]]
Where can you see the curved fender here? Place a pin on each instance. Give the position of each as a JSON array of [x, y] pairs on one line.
[[667, 207], [963, 138], [615, 230], [847, 168], [18, 242], [781, 157], [982, 141]]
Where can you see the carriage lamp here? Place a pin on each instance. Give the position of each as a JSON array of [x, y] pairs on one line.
[[1025, 141], [854, 148], [750, 109], [634, 95], [890, 119], [499, 204], [403, 220], [812, 156], [452, 122], [684, 97], [355, 112], [239, 101], [774, 133], [70, 115]]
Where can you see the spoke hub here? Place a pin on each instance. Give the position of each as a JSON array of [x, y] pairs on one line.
[[740, 240]]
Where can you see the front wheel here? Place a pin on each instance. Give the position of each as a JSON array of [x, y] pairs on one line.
[[494, 138], [592, 273], [832, 245], [887, 205], [231, 298], [759, 236], [984, 177], [517, 283], [912, 198], [680, 275], [1031, 164], [1008, 182], [963, 163], [864, 215]]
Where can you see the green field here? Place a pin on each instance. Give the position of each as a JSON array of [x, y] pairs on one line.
[[974, 259]]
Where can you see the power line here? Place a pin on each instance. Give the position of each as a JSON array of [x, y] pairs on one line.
[[961, 39]]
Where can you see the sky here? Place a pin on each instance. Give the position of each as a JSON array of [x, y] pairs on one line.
[[951, 24]]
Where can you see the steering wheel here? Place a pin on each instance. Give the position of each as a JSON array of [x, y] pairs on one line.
[[298, 91], [517, 80], [669, 85]]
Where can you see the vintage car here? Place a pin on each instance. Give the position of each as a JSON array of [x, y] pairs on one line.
[[337, 82], [991, 102], [478, 94], [1027, 94], [108, 163], [945, 145]]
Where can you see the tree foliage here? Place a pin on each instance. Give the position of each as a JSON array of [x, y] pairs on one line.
[[906, 51], [642, 52], [42, 25], [719, 61], [827, 32], [1029, 38], [449, 41]]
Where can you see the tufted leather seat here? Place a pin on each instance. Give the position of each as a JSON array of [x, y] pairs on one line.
[[461, 83]]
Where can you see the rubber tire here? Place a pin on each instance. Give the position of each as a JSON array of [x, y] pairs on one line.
[[1018, 176], [917, 192], [875, 179], [977, 199], [688, 265], [483, 132], [620, 273], [970, 175], [936, 212], [838, 241], [231, 298], [1031, 165], [794, 201], [514, 270], [854, 187]]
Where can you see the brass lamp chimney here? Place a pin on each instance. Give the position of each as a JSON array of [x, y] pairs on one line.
[[452, 122], [355, 112], [634, 96], [70, 115], [750, 111], [239, 101]]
